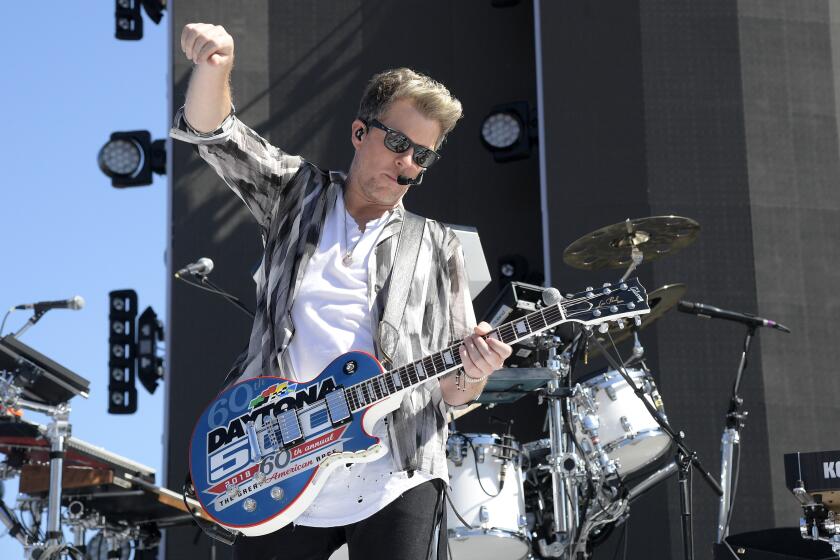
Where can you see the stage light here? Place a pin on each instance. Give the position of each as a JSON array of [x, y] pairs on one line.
[[149, 363], [501, 130], [508, 132], [122, 367], [129, 20], [130, 158]]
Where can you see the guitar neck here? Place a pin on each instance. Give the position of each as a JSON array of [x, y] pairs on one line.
[[440, 363], [588, 307]]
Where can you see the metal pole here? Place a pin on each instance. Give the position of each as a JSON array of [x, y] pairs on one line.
[[57, 431], [729, 439], [555, 433]]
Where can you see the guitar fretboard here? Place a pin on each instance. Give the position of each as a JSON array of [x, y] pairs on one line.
[[393, 381]]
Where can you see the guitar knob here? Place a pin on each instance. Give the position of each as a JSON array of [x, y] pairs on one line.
[[603, 328]]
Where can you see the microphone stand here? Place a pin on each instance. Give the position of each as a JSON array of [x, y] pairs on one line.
[[686, 457], [32, 320], [214, 289], [730, 438]]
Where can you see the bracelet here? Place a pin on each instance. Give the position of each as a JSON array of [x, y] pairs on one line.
[[470, 379], [461, 379]]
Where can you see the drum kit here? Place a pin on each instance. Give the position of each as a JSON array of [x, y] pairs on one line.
[[607, 432]]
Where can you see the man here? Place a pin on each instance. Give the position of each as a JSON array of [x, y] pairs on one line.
[[330, 243]]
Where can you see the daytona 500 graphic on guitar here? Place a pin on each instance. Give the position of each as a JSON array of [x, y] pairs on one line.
[[232, 472]]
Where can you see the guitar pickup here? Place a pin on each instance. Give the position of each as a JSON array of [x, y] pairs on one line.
[[288, 424], [337, 407]]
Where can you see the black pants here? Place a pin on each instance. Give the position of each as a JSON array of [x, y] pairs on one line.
[[404, 529]]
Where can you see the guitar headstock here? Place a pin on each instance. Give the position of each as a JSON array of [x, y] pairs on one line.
[[594, 306]]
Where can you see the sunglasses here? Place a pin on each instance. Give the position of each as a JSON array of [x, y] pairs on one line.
[[399, 143]]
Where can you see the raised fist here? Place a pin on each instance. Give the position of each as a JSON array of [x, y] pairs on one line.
[[207, 44]]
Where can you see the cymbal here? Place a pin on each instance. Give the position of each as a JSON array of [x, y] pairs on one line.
[[611, 246], [660, 300]]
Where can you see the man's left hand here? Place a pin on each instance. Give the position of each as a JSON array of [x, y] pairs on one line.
[[482, 356]]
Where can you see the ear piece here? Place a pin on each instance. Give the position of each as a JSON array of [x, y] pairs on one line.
[[360, 133]]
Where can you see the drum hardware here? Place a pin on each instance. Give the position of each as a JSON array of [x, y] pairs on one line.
[[686, 458], [651, 480]]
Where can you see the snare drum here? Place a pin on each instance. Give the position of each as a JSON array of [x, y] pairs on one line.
[[496, 512], [627, 431]]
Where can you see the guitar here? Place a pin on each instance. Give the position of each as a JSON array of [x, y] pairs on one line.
[[263, 449]]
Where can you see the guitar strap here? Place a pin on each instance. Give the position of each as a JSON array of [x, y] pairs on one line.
[[402, 273]]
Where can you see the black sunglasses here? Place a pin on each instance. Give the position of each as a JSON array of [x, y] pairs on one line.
[[399, 143]]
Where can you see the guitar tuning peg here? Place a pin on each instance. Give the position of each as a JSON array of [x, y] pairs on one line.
[[606, 284], [603, 328], [620, 323], [637, 321]]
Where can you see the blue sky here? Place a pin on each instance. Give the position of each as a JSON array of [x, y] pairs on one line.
[[67, 231]]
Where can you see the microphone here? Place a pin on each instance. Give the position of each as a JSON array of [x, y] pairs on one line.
[[551, 296], [75, 303], [201, 267], [403, 180], [708, 311]]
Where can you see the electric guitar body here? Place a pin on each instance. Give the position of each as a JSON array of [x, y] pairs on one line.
[[284, 479]]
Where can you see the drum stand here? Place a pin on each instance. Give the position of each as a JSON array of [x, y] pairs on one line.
[[564, 522], [686, 458], [565, 463], [562, 461]]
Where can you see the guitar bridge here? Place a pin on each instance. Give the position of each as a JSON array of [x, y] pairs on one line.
[[337, 407], [288, 423]]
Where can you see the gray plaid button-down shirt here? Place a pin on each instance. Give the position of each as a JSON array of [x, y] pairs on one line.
[[290, 199]]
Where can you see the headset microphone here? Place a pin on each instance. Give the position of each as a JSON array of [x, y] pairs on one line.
[[403, 180]]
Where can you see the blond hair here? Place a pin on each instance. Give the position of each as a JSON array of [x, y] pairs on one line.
[[430, 98]]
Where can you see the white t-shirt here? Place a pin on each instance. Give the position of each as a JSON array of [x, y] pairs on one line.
[[331, 315]]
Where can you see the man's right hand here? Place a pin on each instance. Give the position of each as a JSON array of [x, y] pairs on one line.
[[208, 101], [206, 44]]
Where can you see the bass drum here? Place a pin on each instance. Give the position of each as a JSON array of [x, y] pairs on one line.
[[627, 431], [485, 474]]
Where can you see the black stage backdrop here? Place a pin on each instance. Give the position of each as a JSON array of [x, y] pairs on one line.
[[722, 111]]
